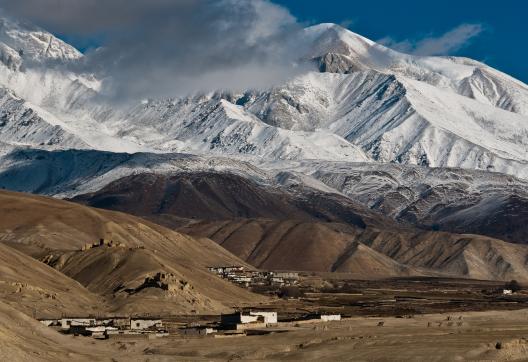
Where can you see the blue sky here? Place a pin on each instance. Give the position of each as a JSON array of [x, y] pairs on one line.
[[494, 32], [498, 34]]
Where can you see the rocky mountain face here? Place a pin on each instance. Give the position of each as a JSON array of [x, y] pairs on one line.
[[455, 200]]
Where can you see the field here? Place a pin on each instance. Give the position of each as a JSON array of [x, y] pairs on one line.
[[490, 335], [386, 320], [400, 296]]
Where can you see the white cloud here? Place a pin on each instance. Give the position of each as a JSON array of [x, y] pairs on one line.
[[154, 48], [444, 44], [347, 23]]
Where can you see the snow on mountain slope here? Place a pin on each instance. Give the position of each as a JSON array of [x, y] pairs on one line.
[[366, 103], [210, 125], [502, 132], [368, 182], [67, 173], [21, 124], [342, 51], [33, 43], [25, 124], [41, 105], [397, 119], [455, 200]]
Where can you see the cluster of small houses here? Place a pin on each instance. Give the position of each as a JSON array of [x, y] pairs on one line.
[[104, 327], [247, 278], [230, 324]]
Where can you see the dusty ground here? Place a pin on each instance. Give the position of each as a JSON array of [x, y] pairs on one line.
[[334, 293], [427, 335], [44, 228], [421, 338]]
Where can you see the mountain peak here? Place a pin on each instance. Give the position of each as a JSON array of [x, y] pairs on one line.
[[32, 42], [332, 38]]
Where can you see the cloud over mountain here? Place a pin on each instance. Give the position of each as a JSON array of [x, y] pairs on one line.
[[444, 44], [162, 47]]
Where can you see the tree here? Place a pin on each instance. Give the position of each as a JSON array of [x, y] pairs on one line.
[[290, 292], [513, 285]]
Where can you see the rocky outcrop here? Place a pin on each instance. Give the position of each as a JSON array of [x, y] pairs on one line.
[[337, 63]]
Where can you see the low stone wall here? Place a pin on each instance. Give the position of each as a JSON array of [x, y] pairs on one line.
[[243, 326]]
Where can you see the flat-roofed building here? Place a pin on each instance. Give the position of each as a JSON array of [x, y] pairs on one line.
[[330, 317], [66, 323], [269, 317], [143, 323]]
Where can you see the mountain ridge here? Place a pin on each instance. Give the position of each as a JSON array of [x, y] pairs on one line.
[[382, 106], [368, 138]]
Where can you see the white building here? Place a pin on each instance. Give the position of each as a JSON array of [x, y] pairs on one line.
[[269, 317], [66, 323], [96, 329], [49, 322], [240, 279], [253, 318], [277, 280], [330, 317], [208, 330], [231, 269], [287, 275], [145, 323], [248, 318]]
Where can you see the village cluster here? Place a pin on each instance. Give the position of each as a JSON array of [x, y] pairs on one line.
[[249, 278], [239, 323], [102, 328], [228, 324]]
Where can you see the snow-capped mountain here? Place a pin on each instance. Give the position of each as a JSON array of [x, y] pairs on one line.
[[362, 102], [25, 42], [373, 147], [341, 51]]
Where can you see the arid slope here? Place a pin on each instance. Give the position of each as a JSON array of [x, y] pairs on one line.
[[300, 228], [55, 231], [366, 253], [34, 287]]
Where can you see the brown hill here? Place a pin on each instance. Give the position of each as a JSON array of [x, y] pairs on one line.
[[298, 228], [272, 244], [32, 286], [132, 280], [370, 252], [220, 196], [22, 338], [358, 259], [55, 231], [466, 255], [298, 245]]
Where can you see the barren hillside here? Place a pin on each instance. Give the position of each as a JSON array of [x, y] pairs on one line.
[[55, 231], [366, 253]]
